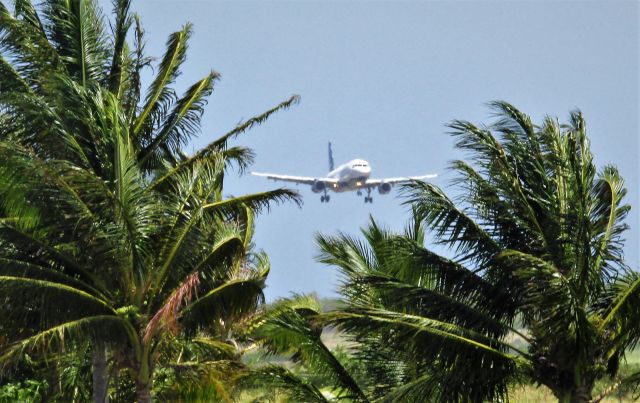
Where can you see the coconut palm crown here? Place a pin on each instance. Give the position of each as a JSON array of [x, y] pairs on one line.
[[57, 55], [534, 287]]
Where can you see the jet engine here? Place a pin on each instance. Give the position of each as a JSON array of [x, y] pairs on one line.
[[384, 188], [318, 186]]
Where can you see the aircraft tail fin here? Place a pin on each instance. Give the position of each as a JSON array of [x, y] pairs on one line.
[[330, 158]]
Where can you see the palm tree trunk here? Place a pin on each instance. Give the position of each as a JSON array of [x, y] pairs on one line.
[[581, 394], [577, 395], [100, 374], [144, 376], [143, 392]]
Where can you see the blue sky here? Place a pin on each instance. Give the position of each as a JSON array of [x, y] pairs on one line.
[[381, 79]]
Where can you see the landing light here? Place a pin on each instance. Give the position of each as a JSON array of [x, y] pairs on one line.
[[335, 185], [358, 183]]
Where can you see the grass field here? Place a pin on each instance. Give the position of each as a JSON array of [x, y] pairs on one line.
[[532, 394], [524, 394]]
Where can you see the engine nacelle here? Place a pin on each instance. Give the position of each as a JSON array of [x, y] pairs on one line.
[[318, 187], [384, 188]]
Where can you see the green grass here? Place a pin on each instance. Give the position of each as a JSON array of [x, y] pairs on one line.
[[532, 394]]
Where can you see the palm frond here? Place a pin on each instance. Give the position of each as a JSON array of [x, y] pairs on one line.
[[490, 210], [176, 176], [291, 325], [619, 307], [241, 157], [219, 160], [276, 377], [444, 360], [121, 28], [607, 218], [183, 121], [25, 10], [159, 94], [11, 80], [137, 212], [508, 170], [167, 315], [219, 147], [548, 296], [27, 47], [231, 300], [427, 302], [15, 267], [350, 254], [221, 142], [363, 320], [184, 225], [227, 247], [77, 32], [452, 226], [130, 94], [215, 347], [26, 296], [93, 327], [70, 263], [255, 201]]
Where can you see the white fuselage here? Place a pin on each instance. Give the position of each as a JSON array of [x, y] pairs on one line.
[[350, 176]]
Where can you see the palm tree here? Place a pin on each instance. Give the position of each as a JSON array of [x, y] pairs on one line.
[[122, 264], [108, 230], [535, 287]]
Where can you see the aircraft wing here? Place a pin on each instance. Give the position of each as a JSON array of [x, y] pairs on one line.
[[393, 181], [307, 180]]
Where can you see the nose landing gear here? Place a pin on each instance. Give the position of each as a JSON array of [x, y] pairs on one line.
[[325, 198]]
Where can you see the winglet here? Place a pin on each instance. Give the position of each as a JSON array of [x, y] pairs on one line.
[[330, 158]]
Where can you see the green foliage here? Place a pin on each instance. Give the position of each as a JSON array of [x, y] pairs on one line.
[[63, 377], [109, 232], [123, 387], [27, 391], [534, 238], [291, 328]]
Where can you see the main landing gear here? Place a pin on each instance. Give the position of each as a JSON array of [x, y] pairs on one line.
[[368, 198], [324, 198]]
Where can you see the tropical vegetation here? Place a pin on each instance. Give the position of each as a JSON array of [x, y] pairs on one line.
[[126, 274], [519, 278], [113, 240], [292, 329]]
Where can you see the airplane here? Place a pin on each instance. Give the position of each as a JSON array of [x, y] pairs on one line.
[[354, 175]]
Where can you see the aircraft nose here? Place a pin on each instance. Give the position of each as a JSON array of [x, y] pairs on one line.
[[365, 170]]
